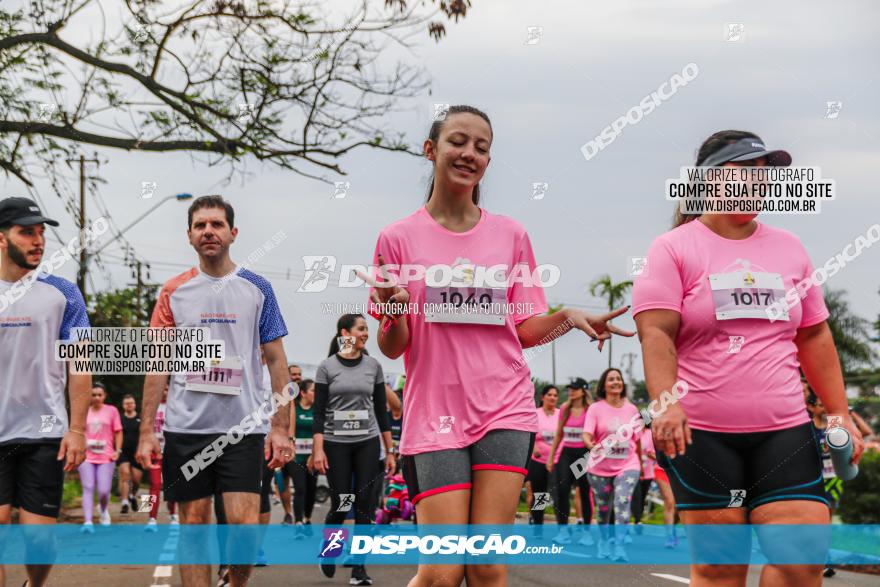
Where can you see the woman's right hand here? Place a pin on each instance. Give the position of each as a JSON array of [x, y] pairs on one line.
[[671, 431], [319, 460], [549, 465]]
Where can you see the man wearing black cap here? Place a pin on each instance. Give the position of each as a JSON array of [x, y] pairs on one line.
[[36, 444]]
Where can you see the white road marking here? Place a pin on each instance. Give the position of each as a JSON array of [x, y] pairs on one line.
[[675, 578], [162, 571]]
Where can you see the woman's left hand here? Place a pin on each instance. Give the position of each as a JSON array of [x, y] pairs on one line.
[[598, 327]]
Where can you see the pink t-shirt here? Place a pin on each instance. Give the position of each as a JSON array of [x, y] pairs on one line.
[[544, 437], [100, 428], [648, 463], [603, 420], [742, 372], [573, 430], [463, 380]]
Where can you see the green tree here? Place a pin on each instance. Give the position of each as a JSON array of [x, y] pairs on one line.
[[289, 83], [122, 308], [614, 294], [850, 332]]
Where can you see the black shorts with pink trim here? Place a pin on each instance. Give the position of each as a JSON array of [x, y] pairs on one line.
[[430, 473]]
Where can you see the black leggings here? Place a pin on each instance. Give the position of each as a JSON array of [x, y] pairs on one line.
[[565, 479], [305, 486], [539, 478], [343, 459], [639, 499]]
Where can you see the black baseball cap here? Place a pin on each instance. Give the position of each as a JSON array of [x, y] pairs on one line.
[[746, 150], [578, 383], [22, 212]]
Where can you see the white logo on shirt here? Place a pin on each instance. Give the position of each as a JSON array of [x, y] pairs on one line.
[[736, 343], [446, 423]]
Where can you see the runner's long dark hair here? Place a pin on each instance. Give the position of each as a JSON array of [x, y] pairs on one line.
[[434, 136], [600, 387], [714, 143], [345, 322]]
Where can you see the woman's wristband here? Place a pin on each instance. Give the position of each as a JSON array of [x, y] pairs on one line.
[[75, 431]]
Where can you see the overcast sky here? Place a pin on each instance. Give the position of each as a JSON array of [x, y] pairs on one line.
[[592, 63]]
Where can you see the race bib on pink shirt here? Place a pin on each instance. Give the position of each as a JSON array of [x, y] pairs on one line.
[[746, 294]]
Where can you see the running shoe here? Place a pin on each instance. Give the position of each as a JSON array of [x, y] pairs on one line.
[[329, 569], [627, 539], [152, 526], [829, 572], [619, 553], [586, 539], [359, 576], [299, 531], [288, 520], [602, 549], [105, 518], [175, 521], [671, 542], [88, 528], [261, 559], [639, 528], [223, 576], [125, 506], [564, 537]]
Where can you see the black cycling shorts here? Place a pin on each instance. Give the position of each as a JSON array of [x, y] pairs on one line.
[[721, 470], [129, 457], [238, 469], [439, 471], [32, 477]]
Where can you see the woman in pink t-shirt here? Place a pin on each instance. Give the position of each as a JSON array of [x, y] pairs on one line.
[[614, 467], [720, 320], [537, 480], [570, 436], [103, 445], [472, 278]]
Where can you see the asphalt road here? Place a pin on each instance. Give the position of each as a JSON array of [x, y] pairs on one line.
[[390, 575]]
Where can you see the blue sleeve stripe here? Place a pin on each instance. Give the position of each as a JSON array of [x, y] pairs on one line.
[[75, 314], [271, 322]]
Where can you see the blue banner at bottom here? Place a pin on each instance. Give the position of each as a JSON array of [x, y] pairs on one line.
[[440, 544]]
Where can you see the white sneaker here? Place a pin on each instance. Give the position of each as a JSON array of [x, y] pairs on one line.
[[627, 539], [88, 528], [152, 525], [175, 521], [586, 539], [603, 549], [105, 518], [619, 553], [563, 537]]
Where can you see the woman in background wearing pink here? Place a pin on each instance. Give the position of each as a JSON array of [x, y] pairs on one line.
[[538, 479], [712, 312], [613, 469], [469, 400], [103, 445], [570, 436]]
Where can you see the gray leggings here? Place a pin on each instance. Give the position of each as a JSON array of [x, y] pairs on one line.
[[616, 492]]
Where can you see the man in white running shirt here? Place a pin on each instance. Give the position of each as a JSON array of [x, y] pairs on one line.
[[240, 308], [36, 444]]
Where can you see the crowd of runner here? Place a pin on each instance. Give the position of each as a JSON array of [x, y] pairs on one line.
[[464, 430]]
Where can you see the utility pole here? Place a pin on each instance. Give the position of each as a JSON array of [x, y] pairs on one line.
[[83, 256], [138, 285], [628, 360]]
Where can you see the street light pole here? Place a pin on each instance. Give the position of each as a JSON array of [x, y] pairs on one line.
[[178, 197]]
